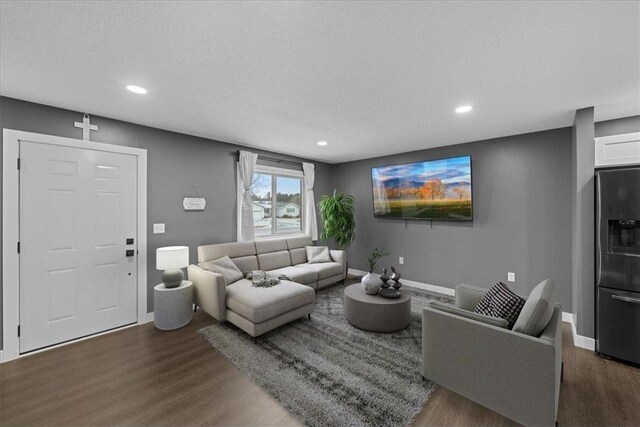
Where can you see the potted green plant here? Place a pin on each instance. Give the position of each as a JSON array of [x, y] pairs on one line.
[[371, 282], [337, 214]]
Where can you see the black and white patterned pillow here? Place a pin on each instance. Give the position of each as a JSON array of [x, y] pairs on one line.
[[500, 301]]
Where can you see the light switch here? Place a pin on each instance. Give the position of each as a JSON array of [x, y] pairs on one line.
[[158, 228], [511, 277]]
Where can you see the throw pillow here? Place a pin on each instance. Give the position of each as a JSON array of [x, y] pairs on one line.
[[224, 266], [538, 309], [500, 301], [318, 254]]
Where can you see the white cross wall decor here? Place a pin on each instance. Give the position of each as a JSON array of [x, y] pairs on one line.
[[86, 127]]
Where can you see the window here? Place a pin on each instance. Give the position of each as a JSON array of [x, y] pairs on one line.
[[277, 201]]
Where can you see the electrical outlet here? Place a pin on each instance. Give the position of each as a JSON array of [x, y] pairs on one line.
[[511, 277], [401, 260], [158, 228]]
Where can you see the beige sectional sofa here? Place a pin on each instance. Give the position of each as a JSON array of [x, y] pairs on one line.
[[259, 310]]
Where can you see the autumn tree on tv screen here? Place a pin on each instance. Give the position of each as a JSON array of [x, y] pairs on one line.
[[434, 189]]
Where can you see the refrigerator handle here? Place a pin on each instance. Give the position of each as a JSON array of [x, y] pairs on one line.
[[599, 231], [626, 299]]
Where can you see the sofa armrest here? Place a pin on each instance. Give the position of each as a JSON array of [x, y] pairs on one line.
[[489, 320], [511, 373], [467, 296], [340, 257], [210, 291]]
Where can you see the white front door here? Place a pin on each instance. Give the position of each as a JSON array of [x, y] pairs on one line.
[[77, 212]]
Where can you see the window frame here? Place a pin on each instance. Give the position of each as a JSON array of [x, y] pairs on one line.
[[284, 173]]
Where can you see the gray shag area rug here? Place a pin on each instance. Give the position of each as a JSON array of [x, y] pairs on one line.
[[329, 373]]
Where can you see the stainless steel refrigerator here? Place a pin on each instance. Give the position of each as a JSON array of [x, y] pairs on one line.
[[618, 263]]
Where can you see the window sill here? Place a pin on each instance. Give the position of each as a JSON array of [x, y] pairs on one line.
[[281, 236]]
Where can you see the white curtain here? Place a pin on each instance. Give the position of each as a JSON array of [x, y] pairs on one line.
[[246, 165], [310, 224]]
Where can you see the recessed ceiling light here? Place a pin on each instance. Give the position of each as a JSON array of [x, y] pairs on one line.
[[322, 143], [464, 109], [136, 89]]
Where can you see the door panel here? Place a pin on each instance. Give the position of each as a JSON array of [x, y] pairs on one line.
[[618, 202], [62, 292], [619, 324], [77, 207]]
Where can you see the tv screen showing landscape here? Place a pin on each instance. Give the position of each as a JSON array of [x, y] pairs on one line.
[[434, 189]]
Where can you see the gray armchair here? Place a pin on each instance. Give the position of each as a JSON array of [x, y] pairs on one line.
[[511, 373]]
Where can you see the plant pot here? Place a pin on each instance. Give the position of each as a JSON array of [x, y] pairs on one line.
[[371, 283]]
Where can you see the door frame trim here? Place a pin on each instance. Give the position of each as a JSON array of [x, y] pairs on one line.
[[11, 226]]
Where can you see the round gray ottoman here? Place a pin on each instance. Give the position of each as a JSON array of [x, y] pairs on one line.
[[172, 307], [375, 313]]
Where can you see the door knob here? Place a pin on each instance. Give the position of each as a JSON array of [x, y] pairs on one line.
[[130, 252]]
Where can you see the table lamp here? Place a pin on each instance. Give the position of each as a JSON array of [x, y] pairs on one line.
[[172, 259]]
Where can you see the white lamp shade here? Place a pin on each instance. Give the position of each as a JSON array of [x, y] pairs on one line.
[[172, 257]]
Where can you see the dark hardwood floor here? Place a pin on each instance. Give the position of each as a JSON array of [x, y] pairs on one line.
[[145, 377]]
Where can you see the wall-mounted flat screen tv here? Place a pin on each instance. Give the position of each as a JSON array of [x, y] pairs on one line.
[[433, 189]]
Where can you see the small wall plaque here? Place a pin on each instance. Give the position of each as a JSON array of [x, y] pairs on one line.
[[194, 203]]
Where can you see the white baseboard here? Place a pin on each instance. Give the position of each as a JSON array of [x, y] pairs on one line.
[[1, 357], [413, 284], [149, 317], [428, 287], [578, 340]]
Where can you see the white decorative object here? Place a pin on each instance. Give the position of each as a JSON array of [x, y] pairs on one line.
[[618, 150], [371, 283], [194, 203], [246, 164], [86, 127], [172, 259], [172, 307], [310, 223]]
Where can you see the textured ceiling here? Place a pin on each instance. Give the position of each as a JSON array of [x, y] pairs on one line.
[[370, 78]]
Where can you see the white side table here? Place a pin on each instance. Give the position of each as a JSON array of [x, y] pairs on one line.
[[172, 307]]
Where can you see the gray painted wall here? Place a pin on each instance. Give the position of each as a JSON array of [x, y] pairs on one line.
[[176, 162], [522, 187], [522, 217], [618, 126], [582, 196]]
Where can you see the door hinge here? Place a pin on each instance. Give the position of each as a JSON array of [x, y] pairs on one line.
[[18, 247], [18, 330], [18, 163]]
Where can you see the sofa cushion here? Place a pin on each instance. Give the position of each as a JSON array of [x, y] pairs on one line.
[[246, 263], [298, 256], [500, 301], [538, 309], [261, 304], [224, 266], [299, 242], [273, 260], [297, 274], [272, 245], [452, 309], [232, 250], [324, 269], [317, 254]]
